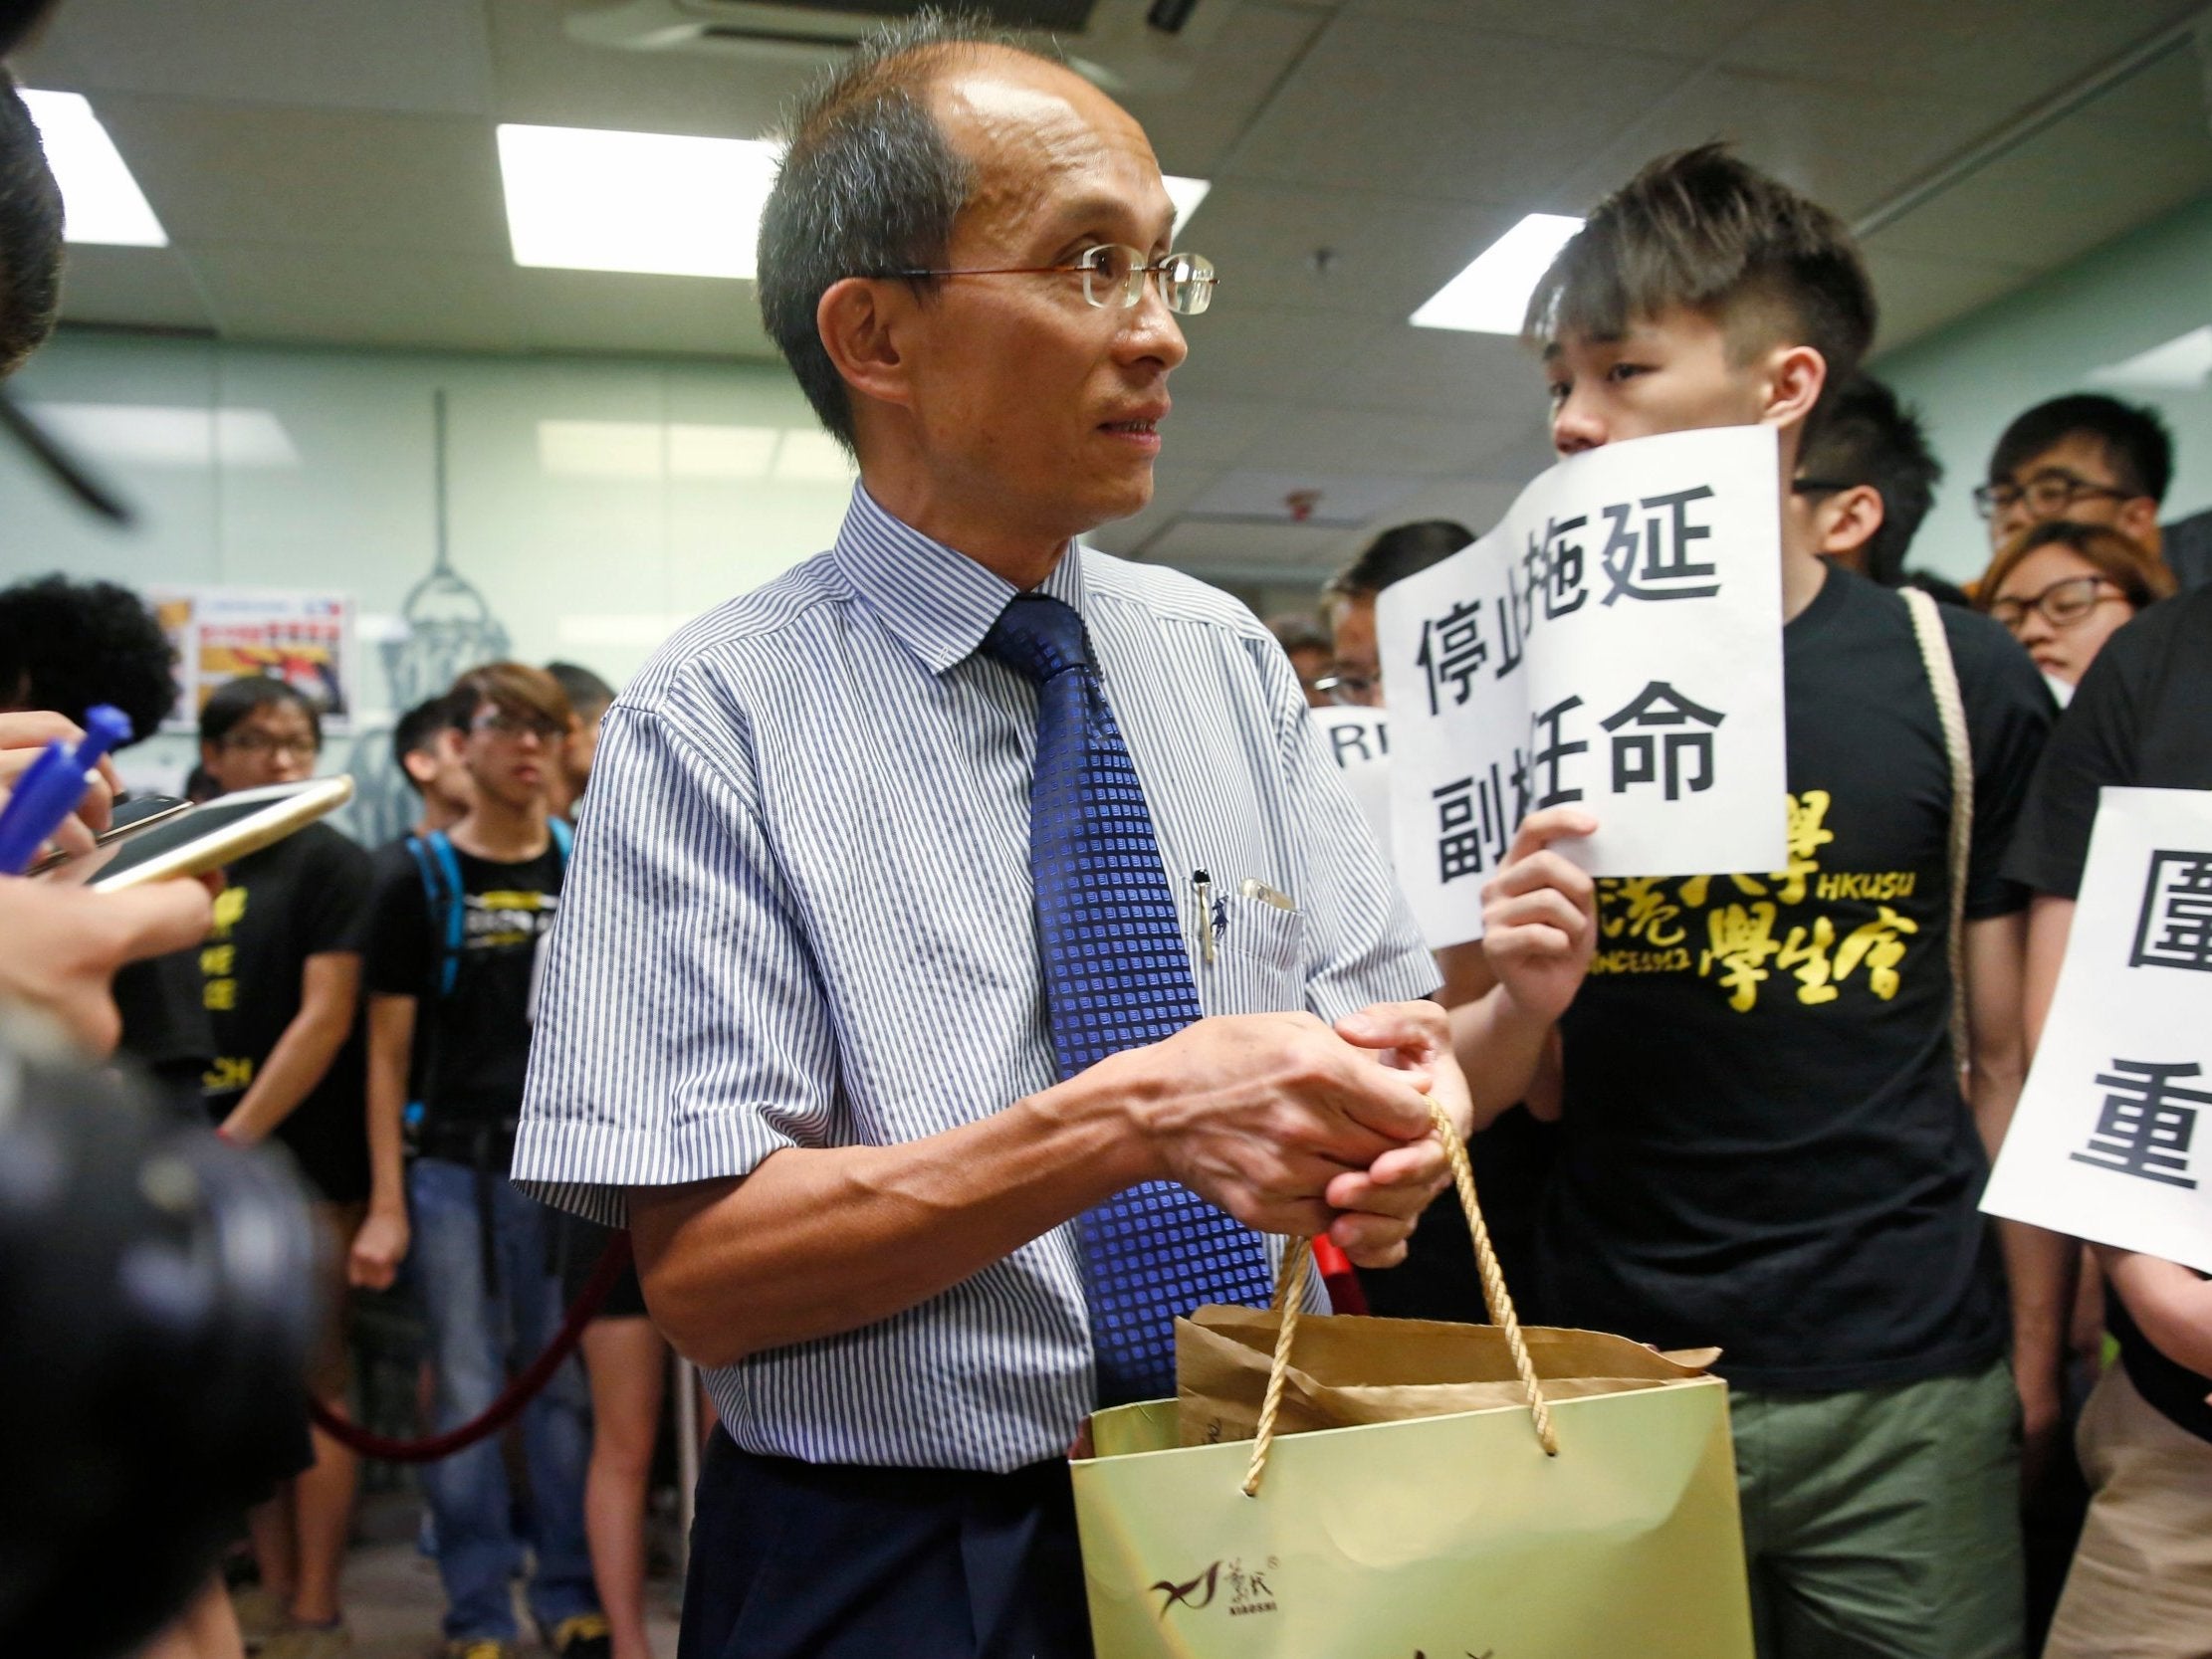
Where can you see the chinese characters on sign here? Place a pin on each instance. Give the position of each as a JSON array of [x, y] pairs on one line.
[[2105, 1142], [2175, 928], [1615, 643]]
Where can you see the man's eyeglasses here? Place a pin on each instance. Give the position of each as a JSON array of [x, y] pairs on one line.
[[517, 725], [269, 742], [1348, 686], [1114, 277], [2063, 604], [2047, 494]]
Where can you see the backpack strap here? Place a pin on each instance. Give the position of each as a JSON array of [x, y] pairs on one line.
[[1950, 709], [440, 870], [563, 840]]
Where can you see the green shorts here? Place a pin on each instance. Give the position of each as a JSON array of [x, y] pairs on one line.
[[1884, 1522]]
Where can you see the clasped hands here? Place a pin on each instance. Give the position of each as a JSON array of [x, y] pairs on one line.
[[1296, 1126]]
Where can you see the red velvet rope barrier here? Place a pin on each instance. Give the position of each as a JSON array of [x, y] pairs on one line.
[[503, 1411]]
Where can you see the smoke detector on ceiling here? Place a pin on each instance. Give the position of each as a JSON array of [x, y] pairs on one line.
[[1109, 42]]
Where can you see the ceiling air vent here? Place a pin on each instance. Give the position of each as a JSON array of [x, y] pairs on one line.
[[1107, 40]]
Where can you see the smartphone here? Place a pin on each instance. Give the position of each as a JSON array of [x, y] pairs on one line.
[[131, 817], [218, 832]]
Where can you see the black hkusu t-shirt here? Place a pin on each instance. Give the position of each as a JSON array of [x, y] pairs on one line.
[[2142, 718], [471, 1046], [299, 898], [1764, 1145]]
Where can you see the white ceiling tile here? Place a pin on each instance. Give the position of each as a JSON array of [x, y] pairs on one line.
[[610, 311], [143, 286], [1381, 256], [1844, 149], [1680, 27], [1172, 487], [1991, 54], [1195, 129], [1299, 498], [1209, 545], [1413, 110], [2131, 156], [358, 297], [1442, 372], [337, 178], [1380, 441], [1920, 292], [421, 54], [1270, 352]]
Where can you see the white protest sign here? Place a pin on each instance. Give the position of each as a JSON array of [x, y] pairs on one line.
[[1358, 740], [2106, 1145], [1616, 643]]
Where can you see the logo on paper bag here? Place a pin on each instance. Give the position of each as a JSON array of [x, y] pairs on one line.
[[1248, 1590]]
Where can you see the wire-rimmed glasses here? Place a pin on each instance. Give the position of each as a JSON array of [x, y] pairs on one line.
[[1114, 275]]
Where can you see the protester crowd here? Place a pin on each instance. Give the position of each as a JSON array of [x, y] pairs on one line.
[[1955, 1437]]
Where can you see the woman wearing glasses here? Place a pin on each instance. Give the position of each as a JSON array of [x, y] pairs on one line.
[[2062, 589]]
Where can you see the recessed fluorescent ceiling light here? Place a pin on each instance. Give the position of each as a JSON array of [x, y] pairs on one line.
[[1186, 193], [2183, 363], [1490, 295], [100, 201], [588, 200]]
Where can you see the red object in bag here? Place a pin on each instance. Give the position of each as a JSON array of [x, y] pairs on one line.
[[1337, 1272]]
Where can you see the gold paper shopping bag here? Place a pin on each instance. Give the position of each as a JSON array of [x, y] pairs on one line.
[[1576, 1500]]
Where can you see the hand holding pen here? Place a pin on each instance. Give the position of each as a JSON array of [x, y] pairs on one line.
[[24, 738], [46, 795]]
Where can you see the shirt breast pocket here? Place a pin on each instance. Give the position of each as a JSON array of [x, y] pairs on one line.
[[1259, 964]]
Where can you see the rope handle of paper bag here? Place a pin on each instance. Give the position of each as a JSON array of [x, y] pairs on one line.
[[1290, 1296], [1951, 712]]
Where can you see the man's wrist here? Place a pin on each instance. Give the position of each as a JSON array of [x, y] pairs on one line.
[[1111, 1112]]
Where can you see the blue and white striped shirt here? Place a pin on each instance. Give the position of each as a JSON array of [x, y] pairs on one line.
[[799, 914]]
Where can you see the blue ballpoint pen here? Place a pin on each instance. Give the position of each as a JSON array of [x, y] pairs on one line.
[[52, 786]]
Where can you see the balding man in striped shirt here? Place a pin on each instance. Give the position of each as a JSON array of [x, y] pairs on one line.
[[970, 959]]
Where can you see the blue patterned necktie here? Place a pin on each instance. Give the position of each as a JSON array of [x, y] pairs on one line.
[[1115, 976]]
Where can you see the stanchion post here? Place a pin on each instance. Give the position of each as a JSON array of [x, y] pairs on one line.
[[687, 1458]]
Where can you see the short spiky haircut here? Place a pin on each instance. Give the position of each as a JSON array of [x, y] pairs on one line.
[[2135, 440], [1865, 436], [1705, 230], [870, 186]]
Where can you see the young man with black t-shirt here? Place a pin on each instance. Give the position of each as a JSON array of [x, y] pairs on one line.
[[451, 943], [281, 982], [2141, 1581], [1764, 1144]]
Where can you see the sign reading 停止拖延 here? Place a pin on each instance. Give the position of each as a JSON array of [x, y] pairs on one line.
[[1614, 644], [2112, 1139]]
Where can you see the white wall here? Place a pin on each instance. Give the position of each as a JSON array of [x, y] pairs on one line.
[[2065, 333], [310, 469]]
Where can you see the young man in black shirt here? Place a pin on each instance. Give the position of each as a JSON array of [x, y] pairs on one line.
[[2141, 1581], [1764, 1144], [281, 982], [1868, 478], [2085, 457], [450, 944]]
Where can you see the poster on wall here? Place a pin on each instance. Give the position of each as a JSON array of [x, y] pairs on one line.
[[2104, 1145], [304, 639], [1616, 643]]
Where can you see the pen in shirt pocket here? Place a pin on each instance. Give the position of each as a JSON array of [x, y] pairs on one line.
[[1211, 918]]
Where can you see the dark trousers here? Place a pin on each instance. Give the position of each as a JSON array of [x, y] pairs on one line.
[[801, 1560]]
